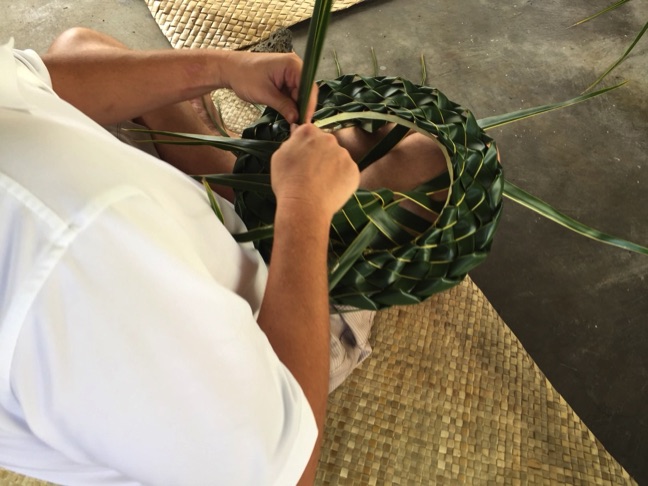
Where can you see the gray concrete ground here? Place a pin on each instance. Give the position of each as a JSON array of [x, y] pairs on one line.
[[580, 308]]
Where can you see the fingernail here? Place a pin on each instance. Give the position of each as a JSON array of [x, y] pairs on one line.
[[293, 127]]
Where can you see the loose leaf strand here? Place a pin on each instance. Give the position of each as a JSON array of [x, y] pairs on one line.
[[338, 68], [374, 61], [213, 202], [423, 70], [499, 120], [520, 196], [601, 12], [620, 60]]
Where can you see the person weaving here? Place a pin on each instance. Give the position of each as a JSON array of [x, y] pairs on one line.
[[139, 343]]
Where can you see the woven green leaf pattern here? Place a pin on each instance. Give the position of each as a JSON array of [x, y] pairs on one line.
[[381, 254]]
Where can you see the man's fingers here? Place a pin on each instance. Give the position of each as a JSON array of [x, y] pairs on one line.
[[287, 95], [286, 106]]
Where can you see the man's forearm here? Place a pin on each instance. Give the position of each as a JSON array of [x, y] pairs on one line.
[[103, 78], [113, 84], [295, 312]]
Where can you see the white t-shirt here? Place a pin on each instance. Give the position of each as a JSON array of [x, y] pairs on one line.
[[129, 349]]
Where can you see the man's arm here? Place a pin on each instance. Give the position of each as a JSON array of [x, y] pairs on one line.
[[110, 83], [312, 177]]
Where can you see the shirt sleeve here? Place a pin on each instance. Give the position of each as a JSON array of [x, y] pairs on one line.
[[136, 358], [30, 59]]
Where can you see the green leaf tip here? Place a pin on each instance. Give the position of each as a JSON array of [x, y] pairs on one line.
[[520, 196], [374, 62], [615, 64], [499, 120], [218, 123], [600, 12], [423, 70], [338, 68], [213, 202]]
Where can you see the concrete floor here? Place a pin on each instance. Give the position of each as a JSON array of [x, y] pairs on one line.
[[580, 308]]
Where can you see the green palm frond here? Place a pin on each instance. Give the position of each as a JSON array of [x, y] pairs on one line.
[[213, 202], [217, 121], [381, 254], [338, 68], [374, 61], [607, 9], [423, 70], [623, 57], [504, 119], [261, 148], [615, 64], [525, 199], [316, 36], [258, 183]]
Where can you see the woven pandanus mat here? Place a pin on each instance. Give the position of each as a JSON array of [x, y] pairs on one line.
[[229, 24], [237, 114], [8, 478], [450, 396]]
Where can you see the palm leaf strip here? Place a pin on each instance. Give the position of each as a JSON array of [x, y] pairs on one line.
[[615, 64], [316, 36], [535, 204], [607, 9]]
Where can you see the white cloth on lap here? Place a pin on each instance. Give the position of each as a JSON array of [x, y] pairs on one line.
[[350, 331]]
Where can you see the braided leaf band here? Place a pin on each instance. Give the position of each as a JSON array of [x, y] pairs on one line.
[[381, 254]]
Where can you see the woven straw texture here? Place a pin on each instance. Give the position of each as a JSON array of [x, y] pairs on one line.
[[237, 114], [10, 479], [450, 396], [229, 24]]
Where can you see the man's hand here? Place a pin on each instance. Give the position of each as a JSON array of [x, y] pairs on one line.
[[312, 171], [269, 79]]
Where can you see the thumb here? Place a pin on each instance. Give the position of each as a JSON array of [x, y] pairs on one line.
[[284, 105]]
